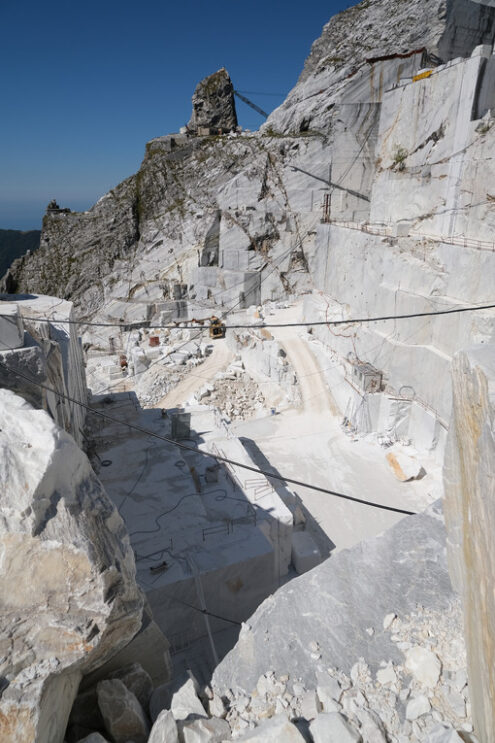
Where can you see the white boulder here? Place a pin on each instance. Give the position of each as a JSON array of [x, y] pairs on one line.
[[388, 619], [423, 665], [309, 705], [386, 676], [165, 729], [213, 730], [441, 734], [137, 680], [274, 730], [185, 703], [417, 706], [404, 466], [67, 578], [333, 728], [328, 696], [216, 706]]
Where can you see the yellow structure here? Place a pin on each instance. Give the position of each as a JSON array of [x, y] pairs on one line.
[[422, 75]]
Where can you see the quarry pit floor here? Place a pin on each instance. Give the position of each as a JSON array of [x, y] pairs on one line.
[[154, 486], [308, 444], [305, 443]]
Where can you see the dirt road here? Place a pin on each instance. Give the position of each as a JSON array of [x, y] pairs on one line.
[[308, 444], [217, 361], [314, 391]]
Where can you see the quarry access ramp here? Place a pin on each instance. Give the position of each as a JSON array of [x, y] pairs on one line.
[[316, 396], [218, 360]]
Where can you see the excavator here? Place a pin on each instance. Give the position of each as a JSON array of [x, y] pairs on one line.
[[217, 327]]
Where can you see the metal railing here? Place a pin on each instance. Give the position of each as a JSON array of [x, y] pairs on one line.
[[386, 231], [462, 241]]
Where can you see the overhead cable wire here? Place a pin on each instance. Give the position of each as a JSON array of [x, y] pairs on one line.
[[239, 326], [199, 330], [195, 450], [201, 611]]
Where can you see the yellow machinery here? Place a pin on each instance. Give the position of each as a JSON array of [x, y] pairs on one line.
[[422, 75], [217, 328]]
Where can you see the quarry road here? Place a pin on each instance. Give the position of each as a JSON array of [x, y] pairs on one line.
[[315, 394], [217, 361], [307, 443]]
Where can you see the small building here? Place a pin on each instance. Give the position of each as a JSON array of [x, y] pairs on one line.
[[54, 208], [365, 376]]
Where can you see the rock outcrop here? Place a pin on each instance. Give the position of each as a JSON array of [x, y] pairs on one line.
[[214, 105], [368, 646], [470, 517], [67, 584], [249, 205], [422, 699], [441, 30], [328, 610], [79, 248]]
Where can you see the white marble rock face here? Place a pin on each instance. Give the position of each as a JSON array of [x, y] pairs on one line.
[[63, 546], [62, 543]]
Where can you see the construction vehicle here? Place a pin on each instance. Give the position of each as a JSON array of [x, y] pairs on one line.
[[217, 327]]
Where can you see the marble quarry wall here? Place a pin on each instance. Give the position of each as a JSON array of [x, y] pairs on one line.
[[376, 278], [429, 153], [433, 175], [470, 518], [47, 353]]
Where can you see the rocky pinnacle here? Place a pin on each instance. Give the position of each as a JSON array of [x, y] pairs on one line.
[[213, 103]]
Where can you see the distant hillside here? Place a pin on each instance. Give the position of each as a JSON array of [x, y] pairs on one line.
[[14, 243]]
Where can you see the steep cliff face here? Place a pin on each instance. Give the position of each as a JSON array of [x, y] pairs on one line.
[[144, 237], [149, 234], [78, 249], [443, 29]]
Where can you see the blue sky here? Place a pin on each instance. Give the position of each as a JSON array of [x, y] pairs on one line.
[[85, 85]]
